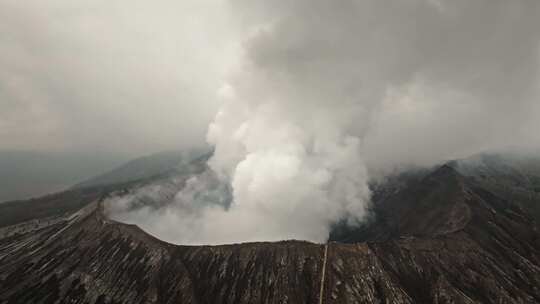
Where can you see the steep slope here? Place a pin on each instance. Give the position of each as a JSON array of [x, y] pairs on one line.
[[151, 166], [171, 176], [450, 242], [49, 206], [446, 239], [439, 203], [89, 259], [515, 178]]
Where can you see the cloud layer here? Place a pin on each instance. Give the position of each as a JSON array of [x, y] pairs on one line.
[[117, 76], [457, 76]]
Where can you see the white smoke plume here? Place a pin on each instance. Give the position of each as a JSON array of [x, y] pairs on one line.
[[326, 92]]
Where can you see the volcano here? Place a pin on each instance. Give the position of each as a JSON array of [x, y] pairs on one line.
[[438, 236]]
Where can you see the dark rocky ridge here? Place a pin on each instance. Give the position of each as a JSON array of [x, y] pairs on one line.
[[441, 239]]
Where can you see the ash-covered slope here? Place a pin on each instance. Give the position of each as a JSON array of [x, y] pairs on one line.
[[515, 178], [169, 170], [89, 259], [448, 241]]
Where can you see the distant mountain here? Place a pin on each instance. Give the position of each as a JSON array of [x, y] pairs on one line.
[[438, 235], [148, 166], [168, 169], [26, 174]]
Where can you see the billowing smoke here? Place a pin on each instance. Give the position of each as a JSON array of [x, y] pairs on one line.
[[326, 92], [294, 172]]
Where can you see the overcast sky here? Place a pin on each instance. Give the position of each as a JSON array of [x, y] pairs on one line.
[[142, 76], [121, 76]]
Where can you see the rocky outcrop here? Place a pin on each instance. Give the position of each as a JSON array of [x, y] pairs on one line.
[[449, 243]]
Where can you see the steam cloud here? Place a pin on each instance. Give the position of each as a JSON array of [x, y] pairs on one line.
[[328, 91]]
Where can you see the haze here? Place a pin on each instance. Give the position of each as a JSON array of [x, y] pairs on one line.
[[304, 101]]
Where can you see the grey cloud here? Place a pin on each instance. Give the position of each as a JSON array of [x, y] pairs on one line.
[[435, 79], [127, 76]]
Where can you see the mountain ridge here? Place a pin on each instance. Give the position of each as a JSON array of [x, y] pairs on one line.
[[88, 258]]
